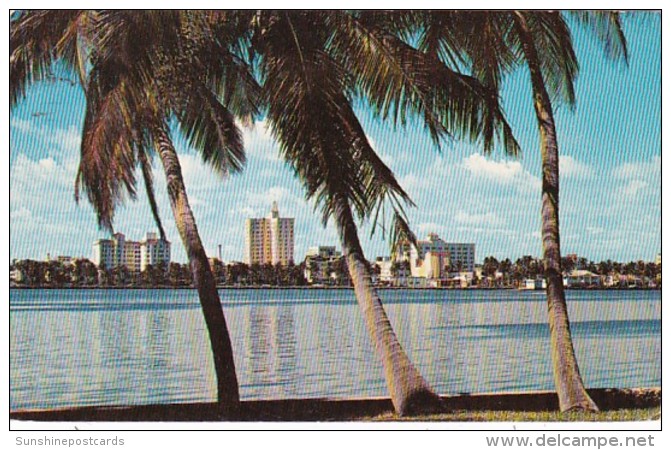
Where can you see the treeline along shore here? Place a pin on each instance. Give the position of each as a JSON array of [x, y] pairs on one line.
[[525, 273]]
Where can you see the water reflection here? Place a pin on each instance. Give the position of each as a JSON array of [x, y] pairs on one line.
[[291, 348], [270, 351]]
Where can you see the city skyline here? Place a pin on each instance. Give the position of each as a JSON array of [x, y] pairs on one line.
[[610, 198]]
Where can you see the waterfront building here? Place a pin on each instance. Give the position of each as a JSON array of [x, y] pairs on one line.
[[537, 283], [433, 258], [325, 265], [385, 265], [65, 260], [153, 251], [133, 255], [16, 275], [103, 253], [270, 239], [582, 278]]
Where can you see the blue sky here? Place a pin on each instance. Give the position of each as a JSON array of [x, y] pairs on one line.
[[610, 147]]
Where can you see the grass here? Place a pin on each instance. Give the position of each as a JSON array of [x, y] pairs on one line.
[[618, 415], [618, 405]]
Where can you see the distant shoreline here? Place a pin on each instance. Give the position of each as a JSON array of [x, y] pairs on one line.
[[330, 288]]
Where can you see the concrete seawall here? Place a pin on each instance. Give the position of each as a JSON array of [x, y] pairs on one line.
[[333, 410]]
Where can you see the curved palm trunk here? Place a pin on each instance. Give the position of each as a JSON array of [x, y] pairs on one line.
[[568, 382], [222, 351], [410, 393]]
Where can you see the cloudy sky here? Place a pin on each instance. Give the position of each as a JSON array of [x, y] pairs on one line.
[[610, 147]]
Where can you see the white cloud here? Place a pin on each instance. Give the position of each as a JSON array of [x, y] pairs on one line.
[[633, 188], [22, 125], [414, 184], [259, 141], [571, 167], [248, 212], [21, 213], [197, 174], [595, 230], [498, 232], [639, 169], [477, 219], [29, 177], [273, 194], [428, 227], [47, 164], [69, 140], [504, 172]]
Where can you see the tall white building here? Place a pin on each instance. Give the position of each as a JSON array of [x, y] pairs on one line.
[[270, 239], [118, 252]]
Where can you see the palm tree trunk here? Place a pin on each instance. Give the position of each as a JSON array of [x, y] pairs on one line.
[[410, 393], [222, 351], [568, 382]]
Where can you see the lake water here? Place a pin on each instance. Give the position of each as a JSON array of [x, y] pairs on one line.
[[110, 347]]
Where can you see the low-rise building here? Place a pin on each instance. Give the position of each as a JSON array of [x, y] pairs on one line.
[[325, 265], [582, 278], [384, 265], [534, 283], [435, 259]]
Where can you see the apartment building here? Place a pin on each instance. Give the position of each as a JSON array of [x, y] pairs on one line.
[[134, 255], [269, 239], [434, 258]]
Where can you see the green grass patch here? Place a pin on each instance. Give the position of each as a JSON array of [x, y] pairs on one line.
[[619, 415]]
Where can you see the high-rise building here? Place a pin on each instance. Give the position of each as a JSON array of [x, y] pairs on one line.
[[270, 239], [135, 256]]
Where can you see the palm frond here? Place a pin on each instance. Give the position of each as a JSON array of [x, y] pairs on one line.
[[554, 45], [607, 26], [38, 39], [397, 78], [400, 233], [211, 129], [107, 165], [319, 133]]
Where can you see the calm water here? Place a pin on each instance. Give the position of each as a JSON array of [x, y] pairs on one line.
[[84, 347]]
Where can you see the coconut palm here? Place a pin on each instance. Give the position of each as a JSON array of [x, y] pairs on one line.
[[141, 70], [314, 64], [545, 40], [491, 44]]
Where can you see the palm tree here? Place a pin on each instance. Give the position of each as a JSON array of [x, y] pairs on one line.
[[140, 70], [545, 41], [313, 64], [491, 44]]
